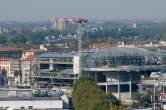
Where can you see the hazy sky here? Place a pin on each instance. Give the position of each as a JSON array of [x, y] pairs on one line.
[[93, 9]]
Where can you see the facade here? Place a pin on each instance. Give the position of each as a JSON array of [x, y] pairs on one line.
[[26, 53], [27, 65], [10, 67], [54, 69], [59, 25], [6, 64], [131, 44], [13, 53], [58, 49], [32, 104], [162, 43], [117, 70], [95, 47]]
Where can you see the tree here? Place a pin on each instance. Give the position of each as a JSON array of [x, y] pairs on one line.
[[88, 96], [81, 80], [114, 107], [114, 100]]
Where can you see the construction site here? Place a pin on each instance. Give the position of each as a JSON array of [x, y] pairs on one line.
[[118, 70], [54, 69]]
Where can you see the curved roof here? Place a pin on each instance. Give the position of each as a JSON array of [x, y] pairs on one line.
[[124, 51]]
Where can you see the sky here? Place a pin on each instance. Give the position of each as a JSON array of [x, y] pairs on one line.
[[90, 9]]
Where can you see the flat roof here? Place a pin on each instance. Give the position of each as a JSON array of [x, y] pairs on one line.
[[30, 58], [5, 59], [35, 50], [10, 49], [56, 55]]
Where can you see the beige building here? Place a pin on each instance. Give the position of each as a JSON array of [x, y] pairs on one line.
[[12, 69], [27, 65], [162, 43], [6, 63]]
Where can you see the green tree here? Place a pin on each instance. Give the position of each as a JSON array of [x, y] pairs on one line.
[[114, 107], [88, 96]]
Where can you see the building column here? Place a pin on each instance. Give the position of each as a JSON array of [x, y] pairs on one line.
[[130, 86], [96, 76], [51, 66], [106, 90], [106, 85], [119, 85]]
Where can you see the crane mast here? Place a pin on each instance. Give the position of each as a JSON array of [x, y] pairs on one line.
[[79, 21]]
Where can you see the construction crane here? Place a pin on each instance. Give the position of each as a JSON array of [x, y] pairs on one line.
[[79, 21]]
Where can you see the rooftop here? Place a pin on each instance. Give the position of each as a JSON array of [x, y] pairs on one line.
[[56, 55], [35, 50], [30, 58], [10, 49], [123, 56], [124, 51], [5, 59]]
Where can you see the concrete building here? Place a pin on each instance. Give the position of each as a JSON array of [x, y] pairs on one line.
[[12, 67], [118, 70], [131, 44], [27, 65], [53, 48], [6, 64], [13, 53], [15, 56], [32, 104], [95, 47], [58, 24], [24, 99], [55, 69], [29, 52], [162, 43], [6, 71]]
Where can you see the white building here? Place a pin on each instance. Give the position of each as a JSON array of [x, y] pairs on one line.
[[35, 104]]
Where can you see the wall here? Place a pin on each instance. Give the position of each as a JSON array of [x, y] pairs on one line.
[[39, 104]]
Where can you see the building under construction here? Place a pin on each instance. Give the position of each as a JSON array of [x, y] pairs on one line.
[[118, 70], [54, 69]]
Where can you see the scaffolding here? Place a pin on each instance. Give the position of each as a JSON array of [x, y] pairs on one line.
[[123, 56], [53, 69], [118, 70]]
